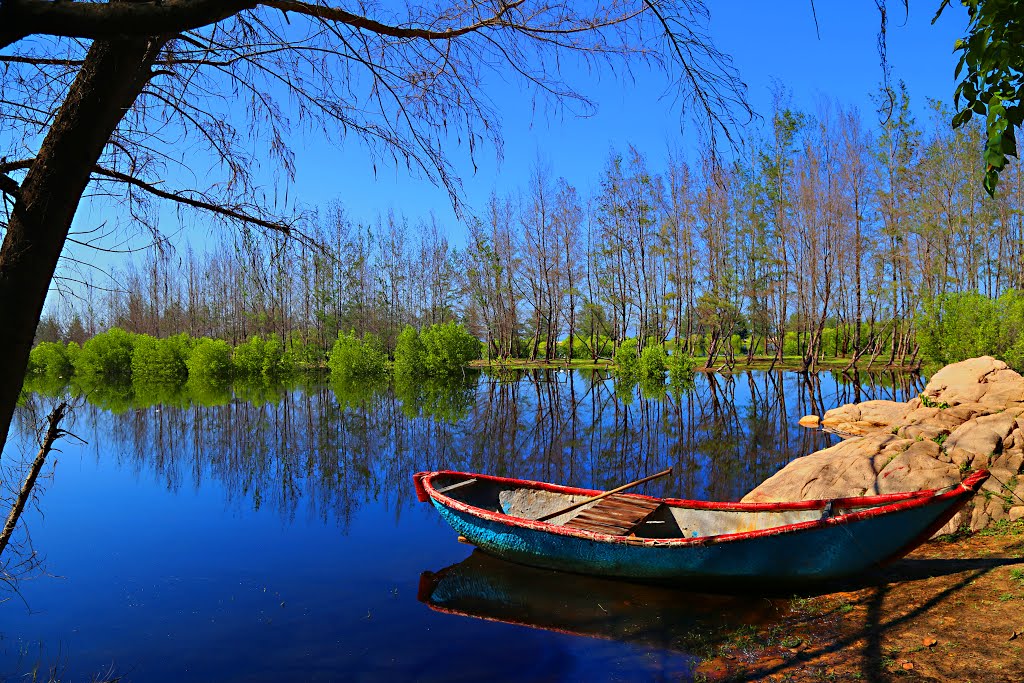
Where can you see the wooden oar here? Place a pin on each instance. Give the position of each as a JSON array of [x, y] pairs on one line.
[[603, 495]]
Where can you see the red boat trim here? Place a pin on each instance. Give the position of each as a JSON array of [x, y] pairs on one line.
[[421, 493], [887, 503], [513, 622]]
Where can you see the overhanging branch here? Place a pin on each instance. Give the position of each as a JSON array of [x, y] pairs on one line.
[[193, 201], [22, 18], [9, 186]]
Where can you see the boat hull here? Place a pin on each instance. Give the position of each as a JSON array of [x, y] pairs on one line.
[[827, 553], [825, 549]]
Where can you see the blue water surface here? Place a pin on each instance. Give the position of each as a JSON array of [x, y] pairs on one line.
[[281, 540]]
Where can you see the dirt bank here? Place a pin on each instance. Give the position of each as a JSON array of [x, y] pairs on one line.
[[953, 610]]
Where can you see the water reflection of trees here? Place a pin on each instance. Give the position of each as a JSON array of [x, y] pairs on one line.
[[326, 450]]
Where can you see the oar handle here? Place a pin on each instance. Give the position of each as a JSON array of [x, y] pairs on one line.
[[630, 485]]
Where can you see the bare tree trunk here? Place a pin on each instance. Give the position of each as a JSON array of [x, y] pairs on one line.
[[110, 80]]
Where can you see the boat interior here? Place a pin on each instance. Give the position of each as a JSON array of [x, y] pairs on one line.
[[618, 514]]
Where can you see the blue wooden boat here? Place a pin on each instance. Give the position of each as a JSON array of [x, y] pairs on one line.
[[641, 537]]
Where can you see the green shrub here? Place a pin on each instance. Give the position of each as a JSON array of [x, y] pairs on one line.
[[261, 358], [108, 355], [680, 368], [410, 354], [791, 346], [209, 363], [353, 357], [651, 364], [51, 359], [160, 360], [581, 347], [957, 326], [448, 347], [627, 362]]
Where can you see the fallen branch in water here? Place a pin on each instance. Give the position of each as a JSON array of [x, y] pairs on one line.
[[53, 433]]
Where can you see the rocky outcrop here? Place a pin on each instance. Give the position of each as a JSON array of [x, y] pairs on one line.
[[970, 416]]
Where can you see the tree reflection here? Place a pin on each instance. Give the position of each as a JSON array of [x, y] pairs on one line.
[[325, 450]]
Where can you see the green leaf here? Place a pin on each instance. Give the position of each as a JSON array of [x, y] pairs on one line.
[[962, 117], [994, 156], [991, 180]]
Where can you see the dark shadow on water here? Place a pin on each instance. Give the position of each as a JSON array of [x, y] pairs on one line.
[[651, 615], [695, 624]]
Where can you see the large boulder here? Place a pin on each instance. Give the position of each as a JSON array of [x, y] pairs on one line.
[[970, 415], [862, 418], [984, 380]]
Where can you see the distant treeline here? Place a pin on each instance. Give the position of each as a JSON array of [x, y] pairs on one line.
[[823, 237]]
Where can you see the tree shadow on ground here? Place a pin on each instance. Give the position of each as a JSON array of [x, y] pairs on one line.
[[900, 601]]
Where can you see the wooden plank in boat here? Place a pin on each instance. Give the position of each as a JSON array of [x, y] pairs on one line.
[[456, 486], [617, 515]]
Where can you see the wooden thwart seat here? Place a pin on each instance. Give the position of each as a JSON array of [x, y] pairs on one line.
[[617, 515]]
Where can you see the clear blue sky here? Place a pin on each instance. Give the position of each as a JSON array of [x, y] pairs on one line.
[[769, 41]]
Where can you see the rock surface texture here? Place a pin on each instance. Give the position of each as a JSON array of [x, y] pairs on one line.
[[970, 416]]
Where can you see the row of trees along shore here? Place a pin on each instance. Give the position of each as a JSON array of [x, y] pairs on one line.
[[119, 356], [825, 237]]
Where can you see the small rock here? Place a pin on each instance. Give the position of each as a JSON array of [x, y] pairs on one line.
[[713, 670], [809, 421], [1015, 513], [1003, 423], [965, 411], [979, 518], [929, 642], [953, 525], [995, 508], [975, 438], [996, 482], [1010, 460], [960, 457]]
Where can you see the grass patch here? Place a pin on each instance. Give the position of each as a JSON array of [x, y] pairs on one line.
[[1004, 528], [791, 641], [928, 402]]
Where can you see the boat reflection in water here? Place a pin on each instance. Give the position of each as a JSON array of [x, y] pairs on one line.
[[653, 616]]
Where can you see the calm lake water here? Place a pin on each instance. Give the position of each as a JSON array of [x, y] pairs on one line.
[[277, 536]]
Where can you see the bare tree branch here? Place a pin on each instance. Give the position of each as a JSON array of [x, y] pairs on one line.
[[195, 201], [9, 186]]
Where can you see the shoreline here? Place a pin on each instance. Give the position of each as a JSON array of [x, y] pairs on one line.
[[788, 363]]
